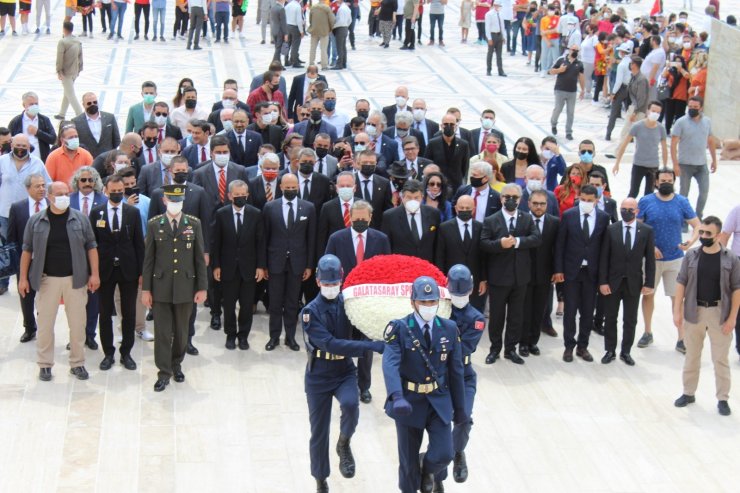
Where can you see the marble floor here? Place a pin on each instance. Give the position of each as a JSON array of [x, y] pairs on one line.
[[239, 422]]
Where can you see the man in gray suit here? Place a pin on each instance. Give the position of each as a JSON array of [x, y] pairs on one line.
[[279, 28], [69, 66], [154, 175], [98, 130]]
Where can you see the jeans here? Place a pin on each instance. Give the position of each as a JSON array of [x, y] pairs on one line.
[[409, 39], [568, 99], [355, 17], [117, 14], [222, 21], [507, 27], [701, 174], [516, 29], [4, 232], [332, 51], [398, 28], [549, 53], [158, 13], [438, 19], [638, 173]]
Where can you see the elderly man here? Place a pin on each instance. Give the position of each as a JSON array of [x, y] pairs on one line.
[[403, 129], [401, 96], [59, 261], [487, 200], [534, 179], [382, 144], [37, 127]]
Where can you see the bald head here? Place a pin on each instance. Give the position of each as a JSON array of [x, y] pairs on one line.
[[402, 91], [19, 140], [535, 172], [629, 203], [465, 202], [289, 181]]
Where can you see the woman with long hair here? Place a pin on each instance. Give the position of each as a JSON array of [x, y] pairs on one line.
[[184, 82], [567, 191], [525, 153], [435, 195], [677, 75]]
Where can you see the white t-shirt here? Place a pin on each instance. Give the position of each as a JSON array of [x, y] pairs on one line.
[[507, 11], [588, 52], [655, 57]]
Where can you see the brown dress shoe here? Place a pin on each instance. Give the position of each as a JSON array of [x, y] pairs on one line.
[[568, 355], [584, 354]]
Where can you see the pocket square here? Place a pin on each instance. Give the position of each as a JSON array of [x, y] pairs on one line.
[[303, 218]]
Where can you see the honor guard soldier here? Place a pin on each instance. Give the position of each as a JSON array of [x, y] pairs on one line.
[[470, 324], [331, 372], [174, 278], [423, 371]]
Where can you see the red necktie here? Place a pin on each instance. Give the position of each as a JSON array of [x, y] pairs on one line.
[[396, 199], [346, 215], [483, 141], [475, 199], [160, 137], [151, 156], [85, 209], [203, 154], [221, 185], [360, 249], [38, 207]]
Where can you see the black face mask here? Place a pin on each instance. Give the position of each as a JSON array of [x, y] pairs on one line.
[[510, 205], [191, 103], [398, 184], [305, 168], [239, 201], [290, 194], [316, 116], [321, 152], [360, 225], [115, 197], [465, 215], [628, 215], [5, 148], [448, 130], [522, 156], [706, 242], [367, 170], [665, 189], [693, 112], [180, 177], [129, 191], [20, 153], [274, 87], [476, 182], [92, 109], [363, 114], [150, 143]]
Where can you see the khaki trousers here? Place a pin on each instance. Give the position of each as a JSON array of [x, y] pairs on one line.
[[68, 84], [324, 45], [51, 291], [709, 322], [628, 124], [140, 310]]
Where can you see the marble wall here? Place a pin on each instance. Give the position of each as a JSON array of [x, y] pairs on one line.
[[722, 103]]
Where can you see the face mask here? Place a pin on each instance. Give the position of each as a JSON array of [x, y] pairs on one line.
[[119, 166], [330, 292], [665, 189], [363, 114], [476, 182], [20, 153], [33, 110], [587, 157], [465, 216], [367, 170], [360, 225], [534, 185], [412, 206], [180, 177], [115, 197], [149, 99], [628, 215], [161, 121], [576, 180], [693, 112], [228, 104], [400, 101], [167, 159], [191, 103], [510, 205], [371, 130], [345, 193], [315, 116], [290, 194], [150, 143], [521, 156], [427, 313], [402, 132], [433, 195], [267, 119], [459, 301], [574, 53], [419, 115], [269, 175], [491, 148], [653, 116], [330, 104], [449, 130], [61, 202], [305, 168], [359, 148], [174, 208], [552, 12], [73, 144], [228, 125], [486, 123], [586, 207], [92, 109], [321, 152], [398, 184], [706, 242], [239, 201], [221, 160], [547, 154], [5, 148], [687, 46]]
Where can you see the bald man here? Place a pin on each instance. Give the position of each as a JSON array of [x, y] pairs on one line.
[[132, 145], [98, 130], [402, 98]]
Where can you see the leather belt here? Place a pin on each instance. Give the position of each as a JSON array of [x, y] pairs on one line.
[[422, 388], [327, 356], [466, 360], [707, 304]]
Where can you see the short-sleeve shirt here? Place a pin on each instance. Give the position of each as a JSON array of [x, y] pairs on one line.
[[732, 227], [547, 23], [647, 141], [693, 135], [666, 217], [568, 80]]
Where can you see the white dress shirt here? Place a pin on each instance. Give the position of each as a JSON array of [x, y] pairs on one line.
[[301, 180], [286, 209], [481, 203], [461, 227], [217, 172], [343, 16], [294, 14], [180, 116], [623, 74], [96, 126], [32, 139], [242, 136], [361, 179], [633, 232], [495, 24], [508, 216], [236, 210], [412, 165], [417, 219], [591, 225], [337, 120], [90, 200], [32, 206], [118, 213]]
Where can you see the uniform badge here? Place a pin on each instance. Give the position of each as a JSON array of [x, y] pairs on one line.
[[480, 325], [100, 223], [443, 357], [306, 317], [388, 334]]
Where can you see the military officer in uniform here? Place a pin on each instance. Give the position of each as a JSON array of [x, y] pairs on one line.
[[423, 371], [174, 278], [331, 372], [470, 325]]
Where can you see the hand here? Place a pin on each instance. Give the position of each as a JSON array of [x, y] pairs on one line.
[[605, 290], [508, 242], [713, 168], [260, 275], [678, 320], [728, 326], [658, 254], [378, 346], [615, 169], [32, 129], [677, 169], [583, 94], [482, 288], [208, 259], [306, 274], [401, 407], [633, 118], [200, 297], [490, 42], [93, 283], [132, 199], [285, 38], [646, 291], [146, 299], [59, 76], [558, 278], [23, 287], [682, 246], [217, 274]]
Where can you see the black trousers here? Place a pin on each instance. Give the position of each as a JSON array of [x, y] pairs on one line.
[[240, 290], [105, 10], [498, 46], [215, 294], [181, 22], [630, 305], [285, 290], [29, 310], [534, 313], [309, 289], [638, 173], [599, 314], [138, 9], [128, 291], [340, 34], [580, 297], [398, 27], [364, 363], [408, 41], [507, 308]]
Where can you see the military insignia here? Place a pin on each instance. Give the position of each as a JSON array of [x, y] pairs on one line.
[[389, 333], [306, 317], [427, 288], [443, 340], [188, 245], [480, 325], [443, 357]]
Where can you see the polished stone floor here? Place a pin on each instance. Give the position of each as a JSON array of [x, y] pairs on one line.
[[239, 422]]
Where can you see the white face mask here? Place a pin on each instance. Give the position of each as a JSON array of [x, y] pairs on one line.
[[586, 207], [119, 166], [161, 121], [167, 159], [427, 313], [412, 206], [330, 292], [274, 115], [419, 114], [459, 301], [221, 160], [534, 185], [687, 46], [547, 154], [653, 116], [345, 193], [486, 123], [267, 118], [228, 104], [61, 202], [400, 101], [228, 125], [371, 130], [174, 208]]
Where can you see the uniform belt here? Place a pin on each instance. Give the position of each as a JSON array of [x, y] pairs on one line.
[[707, 304], [466, 360], [422, 388], [327, 356]]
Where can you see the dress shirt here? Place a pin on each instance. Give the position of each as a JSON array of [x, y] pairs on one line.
[[235, 210], [494, 24], [196, 3], [273, 186], [301, 180], [32, 139], [294, 14], [623, 74], [542, 221], [12, 188], [508, 216], [308, 81], [90, 200], [361, 179], [207, 147], [422, 323], [320, 166], [118, 213], [164, 170], [217, 172], [481, 203], [343, 18], [601, 204], [421, 127], [96, 126], [145, 152], [412, 165], [355, 239], [32, 206], [286, 209], [633, 231], [461, 227], [180, 116], [417, 219], [591, 222], [338, 120], [243, 137], [147, 113]]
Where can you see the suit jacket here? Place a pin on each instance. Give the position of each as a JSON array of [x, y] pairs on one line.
[[98, 199], [173, 131], [193, 156], [196, 204], [278, 25], [320, 190], [240, 105], [331, 220], [127, 245], [296, 95], [381, 197], [457, 168], [109, 135], [421, 163], [205, 177], [617, 263], [451, 251], [135, 118], [238, 253], [257, 192], [272, 134], [150, 178], [45, 133], [571, 248], [396, 226], [390, 113], [553, 208], [388, 150], [465, 135], [610, 208], [290, 250], [494, 199], [475, 141], [329, 167], [509, 266], [432, 129], [17, 219], [543, 255], [324, 128], [391, 132], [340, 244], [69, 57], [247, 155]]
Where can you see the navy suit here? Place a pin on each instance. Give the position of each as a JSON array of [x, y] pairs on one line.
[[193, 155], [246, 154], [494, 198], [296, 96], [553, 208], [324, 128]]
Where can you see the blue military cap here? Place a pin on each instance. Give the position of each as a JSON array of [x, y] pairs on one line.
[[424, 289]]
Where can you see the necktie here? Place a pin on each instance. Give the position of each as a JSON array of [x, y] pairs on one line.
[[427, 336], [268, 191], [628, 239], [346, 215], [396, 199], [412, 168], [203, 154], [38, 207], [238, 223], [500, 27], [537, 223], [467, 240], [85, 209], [151, 157], [221, 185], [174, 225], [306, 192], [241, 144], [321, 165], [585, 227], [291, 216], [511, 224], [366, 190], [116, 225], [360, 249], [483, 141], [160, 136], [414, 227], [166, 179], [475, 200]]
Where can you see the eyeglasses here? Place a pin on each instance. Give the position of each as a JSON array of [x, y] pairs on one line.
[[305, 115], [538, 204], [409, 149], [86, 180], [161, 114], [509, 197]]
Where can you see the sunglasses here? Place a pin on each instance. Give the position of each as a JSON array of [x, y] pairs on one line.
[[86, 180], [508, 197], [161, 114], [435, 184], [361, 143]]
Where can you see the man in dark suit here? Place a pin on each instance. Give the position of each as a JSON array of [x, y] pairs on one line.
[[402, 97], [478, 135], [265, 187], [152, 176], [132, 145], [540, 283], [97, 130], [238, 260], [402, 128], [335, 214], [38, 126], [534, 179], [487, 201], [315, 125], [120, 238], [379, 142], [268, 129], [508, 237], [371, 187], [18, 216], [577, 253], [290, 235], [458, 242], [298, 88], [161, 116], [199, 151], [244, 144], [428, 128], [450, 153], [627, 246], [412, 229], [411, 159], [326, 164], [230, 99]]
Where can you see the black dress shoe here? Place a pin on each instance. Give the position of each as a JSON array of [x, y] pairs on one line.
[[128, 362], [724, 408], [488, 73], [107, 362], [501, 74], [524, 350], [90, 343], [366, 397], [79, 372], [439, 487], [554, 130], [230, 343], [598, 329], [68, 346], [215, 322], [534, 350], [549, 331], [627, 359], [513, 357], [149, 316], [179, 376], [191, 350], [3, 290], [346, 459], [292, 345], [684, 400], [160, 384], [491, 358], [608, 357], [271, 344], [322, 486], [243, 344], [459, 468], [45, 374], [584, 354], [28, 335], [568, 355], [297, 65]]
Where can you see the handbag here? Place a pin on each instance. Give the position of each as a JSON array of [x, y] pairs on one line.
[[9, 259], [664, 90]]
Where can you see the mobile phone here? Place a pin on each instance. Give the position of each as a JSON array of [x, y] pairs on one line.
[[135, 191]]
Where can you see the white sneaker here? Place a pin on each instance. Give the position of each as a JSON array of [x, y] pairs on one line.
[[145, 335]]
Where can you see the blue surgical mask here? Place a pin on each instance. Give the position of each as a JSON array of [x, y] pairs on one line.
[[599, 191], [330, 104], [587, 157], [360, 148], [228, 125]]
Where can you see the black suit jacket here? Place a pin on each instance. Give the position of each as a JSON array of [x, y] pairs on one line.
[[396, 226], [127, 245], [257, 195], [610, 208], [331, 220], [247, 155], [238, 253], [381, 197], [296, 95], [271, 134], [432, 128], [45, 133], [571, 248], [390, 113], [340, 244], [109, 134], [205, 177], [17, 219], [173, 131], [455, 169], [219, 105], [543, 255], [421, 163], [494, 199], [618, 263], [291, 250], [320, 190], [552, 202], [509, 266], [196, 204], [465, 135], [451, 251], [475, 141]]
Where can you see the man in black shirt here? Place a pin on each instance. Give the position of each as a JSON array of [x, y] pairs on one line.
[[569, 73]]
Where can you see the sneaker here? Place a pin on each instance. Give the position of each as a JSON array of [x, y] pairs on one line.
[[645, 340], [595, 103], [145, 335], [680, 347], [79, 372]]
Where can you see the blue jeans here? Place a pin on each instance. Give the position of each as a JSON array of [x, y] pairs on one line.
[[700, 173], [158, 13], [222, 20], [439, 19], [118, 14], [4, 232], [332, 52]]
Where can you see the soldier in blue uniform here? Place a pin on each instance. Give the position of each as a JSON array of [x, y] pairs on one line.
[[423, 371], [330, 371], [470, 324]]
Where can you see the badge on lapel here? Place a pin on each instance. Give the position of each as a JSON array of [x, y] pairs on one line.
[[306, 317]]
